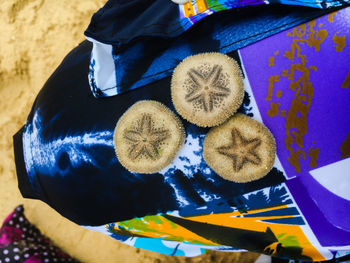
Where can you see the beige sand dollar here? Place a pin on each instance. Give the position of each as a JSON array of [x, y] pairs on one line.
[[147, 137], [240, 150], [207, 88]]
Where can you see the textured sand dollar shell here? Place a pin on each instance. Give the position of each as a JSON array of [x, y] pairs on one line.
[[147, 137], [240, 150], [207, 88]]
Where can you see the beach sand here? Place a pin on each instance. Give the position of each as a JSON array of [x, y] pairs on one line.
[[35, 36]]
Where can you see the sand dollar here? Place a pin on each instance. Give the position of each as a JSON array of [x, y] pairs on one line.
[[207, 88], [147, 137], [240, 150]]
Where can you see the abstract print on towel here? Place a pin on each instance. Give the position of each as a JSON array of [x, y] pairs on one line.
[[276, 208]]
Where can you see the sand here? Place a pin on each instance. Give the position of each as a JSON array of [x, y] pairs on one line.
[[35, 37]]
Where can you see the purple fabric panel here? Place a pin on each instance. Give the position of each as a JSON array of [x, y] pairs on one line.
[[335, 209], [327, 234], [328, 118], [297, 80]]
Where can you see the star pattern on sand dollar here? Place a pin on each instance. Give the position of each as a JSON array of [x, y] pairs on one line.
[[207, 88], [241, 150], [144, 139]]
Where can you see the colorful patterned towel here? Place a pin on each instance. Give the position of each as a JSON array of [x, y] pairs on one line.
[[296, 82]]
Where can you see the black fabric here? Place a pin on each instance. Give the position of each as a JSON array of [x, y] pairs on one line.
[[121, 21], [343, 259], [22, 176]]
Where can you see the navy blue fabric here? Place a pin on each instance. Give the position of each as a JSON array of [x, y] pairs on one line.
[[120, 22], [74, 167], [154, 58]]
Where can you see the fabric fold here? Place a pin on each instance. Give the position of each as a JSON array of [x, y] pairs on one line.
[[120, 22], [152, 58]]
